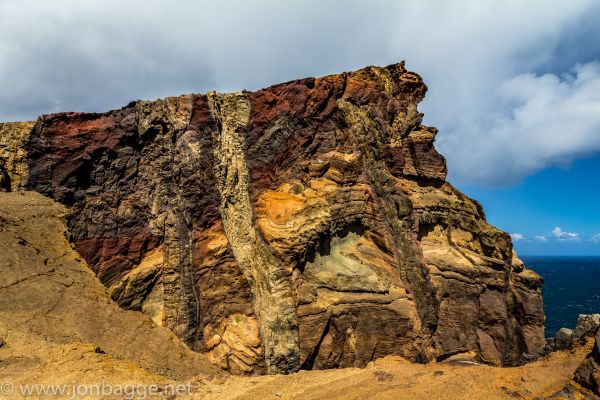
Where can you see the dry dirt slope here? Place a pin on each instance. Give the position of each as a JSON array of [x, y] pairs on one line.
[[394, 378], [57, 320], [59, 327]]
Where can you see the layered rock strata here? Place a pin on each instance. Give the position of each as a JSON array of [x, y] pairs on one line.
[[306, 225]]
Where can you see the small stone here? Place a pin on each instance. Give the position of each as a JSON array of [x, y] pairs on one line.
[[383, 376], [562, 339]]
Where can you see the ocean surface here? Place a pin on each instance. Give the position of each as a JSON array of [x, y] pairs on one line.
[[571, 287]]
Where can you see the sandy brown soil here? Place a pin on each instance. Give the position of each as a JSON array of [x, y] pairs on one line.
[[395, 378], [57, 322]]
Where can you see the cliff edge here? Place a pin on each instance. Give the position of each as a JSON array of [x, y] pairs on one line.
[[307, 225]]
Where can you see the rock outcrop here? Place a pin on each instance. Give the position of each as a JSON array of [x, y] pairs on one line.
[[588, 373], [586, 380], [307, 225], [587, 326], [57, 322], [13, 156]]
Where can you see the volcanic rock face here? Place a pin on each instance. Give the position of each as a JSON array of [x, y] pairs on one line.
[[57, 323], [306, 225], [13, 156]]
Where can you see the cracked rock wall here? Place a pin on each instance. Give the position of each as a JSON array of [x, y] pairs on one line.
[[306, 225]]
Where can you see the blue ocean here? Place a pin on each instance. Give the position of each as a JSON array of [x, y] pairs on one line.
[[571, 287]]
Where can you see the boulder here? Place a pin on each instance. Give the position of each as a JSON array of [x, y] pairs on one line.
[[562, 339], [587, 325]]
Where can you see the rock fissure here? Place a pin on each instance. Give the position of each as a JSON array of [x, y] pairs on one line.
[[27, 278]]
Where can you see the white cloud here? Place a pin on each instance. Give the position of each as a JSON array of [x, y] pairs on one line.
[[517, 236], [541, 238], [552, 121], [562, 235], [499, 119], [595, 238]]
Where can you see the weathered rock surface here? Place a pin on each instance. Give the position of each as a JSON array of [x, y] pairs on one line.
[[13, 156], [306, 225], [587, 325], [585, 383], [57, 322], [588, 373]]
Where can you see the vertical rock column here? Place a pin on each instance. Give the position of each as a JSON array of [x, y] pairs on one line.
[[165, 121], [13, 155], [268, 277], [180, 297], [396, 210]]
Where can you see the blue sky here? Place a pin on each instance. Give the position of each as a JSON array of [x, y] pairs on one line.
[[566, 198], [514, 86]]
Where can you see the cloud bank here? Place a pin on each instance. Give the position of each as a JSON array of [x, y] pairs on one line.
[[557, 235], [513, 85], [553, 120], [562, 235]]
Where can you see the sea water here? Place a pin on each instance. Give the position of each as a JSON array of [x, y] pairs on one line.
[[571, 287]]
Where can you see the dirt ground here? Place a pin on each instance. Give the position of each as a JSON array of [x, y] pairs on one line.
[[395, 378]]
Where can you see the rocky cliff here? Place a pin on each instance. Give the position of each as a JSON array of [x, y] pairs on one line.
[[303, 226], [57, 322]]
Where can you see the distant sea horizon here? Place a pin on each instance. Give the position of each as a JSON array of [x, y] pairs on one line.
[[571, 287]]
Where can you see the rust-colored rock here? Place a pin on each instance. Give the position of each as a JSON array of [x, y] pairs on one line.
[[306, 225]]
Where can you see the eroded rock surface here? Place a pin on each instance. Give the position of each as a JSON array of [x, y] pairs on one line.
[[586, 380], [57, 322], [305, 225], [13, 156], [588, 373]]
